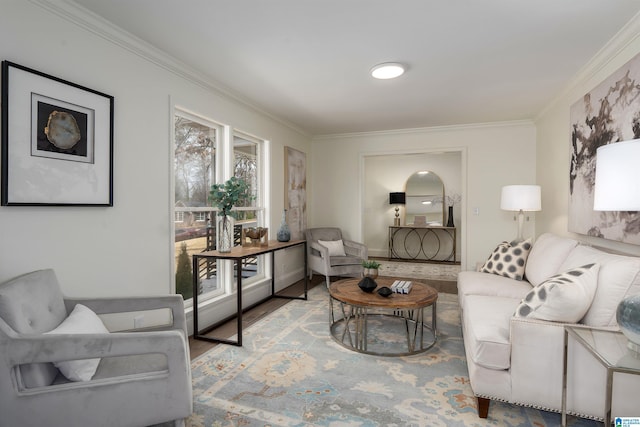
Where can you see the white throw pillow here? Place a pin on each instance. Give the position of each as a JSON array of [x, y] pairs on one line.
[[546, 257], [336, 247], [81, 321], [564, 297], [508, 259], [617, 278]]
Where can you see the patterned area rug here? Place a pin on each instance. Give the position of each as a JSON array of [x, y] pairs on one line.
[[419, 270], [290, 372]]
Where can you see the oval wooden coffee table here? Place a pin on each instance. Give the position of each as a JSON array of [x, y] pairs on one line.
[[359, 311]]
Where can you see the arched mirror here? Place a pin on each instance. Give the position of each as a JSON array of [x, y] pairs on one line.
[[424, 199]]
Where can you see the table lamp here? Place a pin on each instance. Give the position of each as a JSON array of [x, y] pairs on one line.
[[521, 198], [397, 199], [617, 188]]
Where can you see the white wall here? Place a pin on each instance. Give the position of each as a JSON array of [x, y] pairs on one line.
[[125, 249], [554, 133], [492, 155]]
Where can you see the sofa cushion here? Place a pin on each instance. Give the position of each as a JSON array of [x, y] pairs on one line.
[[619, 276], [547, 255], [477, 283], [81, 321], [487, 320], [508, 259], [565, 297]]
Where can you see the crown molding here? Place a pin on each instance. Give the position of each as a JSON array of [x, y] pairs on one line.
[[627, 35], [89, 21], [432, 129]]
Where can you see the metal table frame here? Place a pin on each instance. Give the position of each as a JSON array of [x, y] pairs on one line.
[[238, 254], [610, 366], [354, 318]]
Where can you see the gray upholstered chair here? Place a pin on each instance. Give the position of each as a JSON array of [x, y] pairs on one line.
[[322, 260], [142, 378]]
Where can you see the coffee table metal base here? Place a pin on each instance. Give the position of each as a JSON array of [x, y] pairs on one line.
[[350, 327]]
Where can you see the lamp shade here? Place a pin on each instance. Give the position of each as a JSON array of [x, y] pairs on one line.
[[521, 197], [618, 177], [397, 198]]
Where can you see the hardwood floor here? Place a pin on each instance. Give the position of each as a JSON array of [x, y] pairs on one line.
[[251, 316]]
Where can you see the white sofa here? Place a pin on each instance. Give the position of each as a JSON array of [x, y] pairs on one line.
[[520, 360]]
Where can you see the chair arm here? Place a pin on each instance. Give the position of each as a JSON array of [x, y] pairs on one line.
[[323, 250], [61, 347], [175, 303], [355, 249]]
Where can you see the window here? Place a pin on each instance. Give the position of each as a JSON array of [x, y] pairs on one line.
[[195, 168], [199, 157], [247, 166]]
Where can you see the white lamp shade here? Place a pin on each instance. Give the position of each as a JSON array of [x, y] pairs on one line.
[[521, 197], [617, 185]]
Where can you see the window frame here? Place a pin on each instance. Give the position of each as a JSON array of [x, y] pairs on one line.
[[223, 168]]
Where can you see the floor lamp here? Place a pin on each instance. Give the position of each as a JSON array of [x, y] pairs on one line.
[[521, 198], [617, 188]]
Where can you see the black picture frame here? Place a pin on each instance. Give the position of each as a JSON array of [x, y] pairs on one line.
[[57, 141]]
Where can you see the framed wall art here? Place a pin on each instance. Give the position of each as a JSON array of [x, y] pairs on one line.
[[295, 181], [57, 141], [608, 114]]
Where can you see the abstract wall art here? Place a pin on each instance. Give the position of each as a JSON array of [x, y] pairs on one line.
[[608, 114]]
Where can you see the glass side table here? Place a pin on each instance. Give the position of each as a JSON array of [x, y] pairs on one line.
[[607, 347]]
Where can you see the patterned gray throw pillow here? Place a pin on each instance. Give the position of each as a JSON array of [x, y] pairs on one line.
[[564, 297], [508, 259]]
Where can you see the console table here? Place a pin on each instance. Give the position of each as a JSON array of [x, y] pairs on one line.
[[238, 254], [422, 243]]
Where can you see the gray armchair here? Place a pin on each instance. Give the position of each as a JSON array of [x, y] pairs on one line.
[[143, 378], [320, 260]]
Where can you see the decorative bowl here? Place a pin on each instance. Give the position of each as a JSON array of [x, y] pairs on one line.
[[384, 291], [255, 232]]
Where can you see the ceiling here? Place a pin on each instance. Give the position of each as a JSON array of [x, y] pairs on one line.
[[307, 62]]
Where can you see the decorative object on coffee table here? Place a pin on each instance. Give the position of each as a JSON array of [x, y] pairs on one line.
[[371, 268], [384, 291], [617, 189], [367, 284]]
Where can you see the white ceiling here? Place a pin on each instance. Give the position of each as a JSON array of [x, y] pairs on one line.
[[308, 61]]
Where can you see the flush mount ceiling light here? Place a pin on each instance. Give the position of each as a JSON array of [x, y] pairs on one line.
[[387, 70]]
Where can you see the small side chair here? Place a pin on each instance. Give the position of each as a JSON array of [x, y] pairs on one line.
[[138, 378], [337, 256]]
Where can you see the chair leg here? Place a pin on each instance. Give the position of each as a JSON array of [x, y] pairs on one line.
[[328, 281], [483, 407]]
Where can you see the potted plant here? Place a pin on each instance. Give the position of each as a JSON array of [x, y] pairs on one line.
[[371, 268], [225, 197]]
